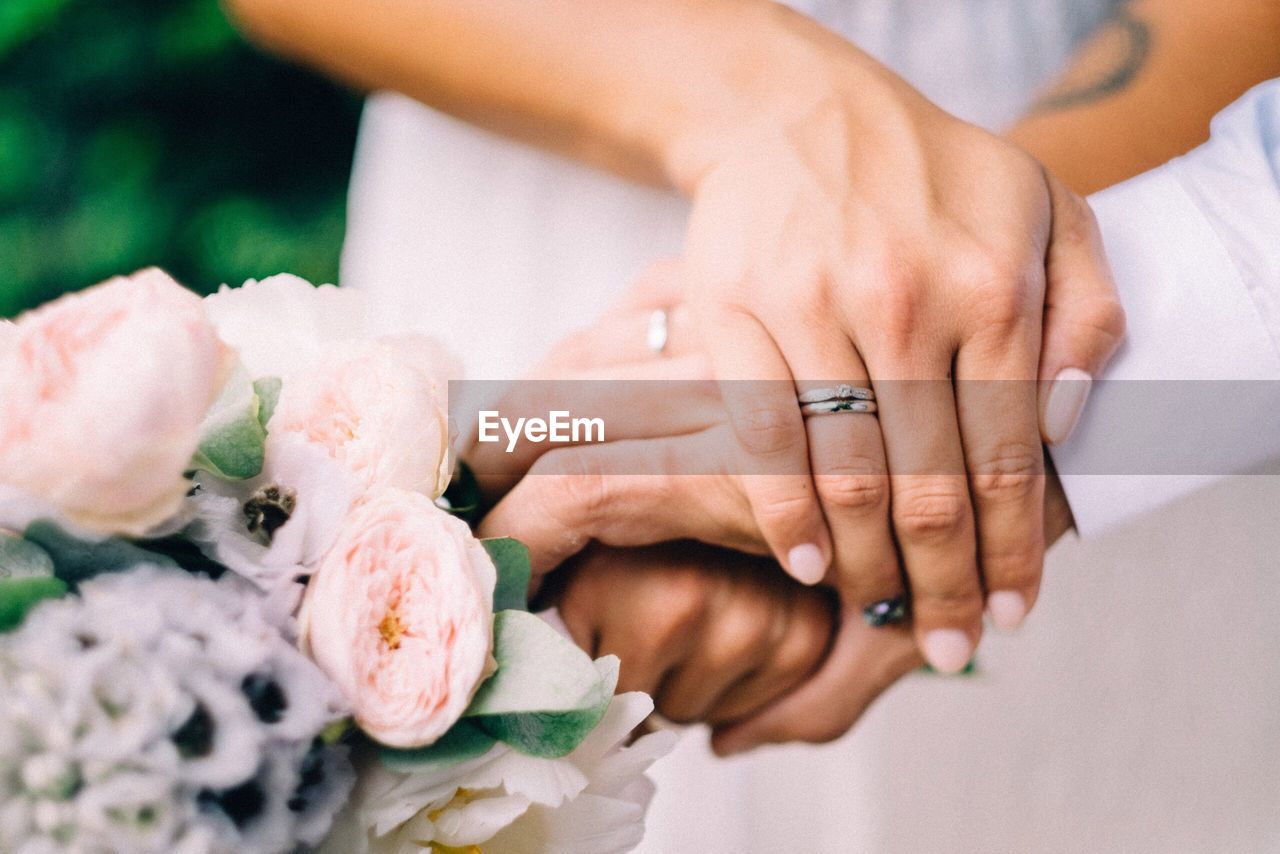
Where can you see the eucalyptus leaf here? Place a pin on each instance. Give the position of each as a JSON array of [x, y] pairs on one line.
[[77, 560], [20, 595], [232, 438], [21, 558], [464, 741], [511, 557], [539, 670], [550, 735]]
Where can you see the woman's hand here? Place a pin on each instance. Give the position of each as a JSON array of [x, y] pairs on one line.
[[873, 240], [713, 636]]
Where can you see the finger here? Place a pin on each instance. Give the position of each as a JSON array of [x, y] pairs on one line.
[[654, 625], [672, 397], [807, 638], [931, 510], [620, 338], [624, 494], [862, 664], [1083, 320], [739, 632], [999, 428], [759, 395], [846, 453]]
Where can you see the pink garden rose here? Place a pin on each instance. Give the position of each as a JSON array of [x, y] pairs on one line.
[[102, 394], [377, 409], [399, 615]]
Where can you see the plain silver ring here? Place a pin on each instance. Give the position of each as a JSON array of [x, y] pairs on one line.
[[655, 337], [844, 391], [831, 407]]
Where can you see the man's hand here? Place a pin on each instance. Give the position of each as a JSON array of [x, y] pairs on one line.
[[713, 636]]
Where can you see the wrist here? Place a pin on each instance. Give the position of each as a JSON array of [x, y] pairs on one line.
[[775, 72]]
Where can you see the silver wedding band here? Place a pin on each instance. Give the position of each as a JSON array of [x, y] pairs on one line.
[[829, 407], [842, 398], [655, 337], [841, 392]]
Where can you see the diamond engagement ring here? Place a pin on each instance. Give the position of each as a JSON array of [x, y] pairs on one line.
[[655, 337]]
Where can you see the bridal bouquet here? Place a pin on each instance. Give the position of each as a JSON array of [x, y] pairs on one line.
[[240, 608]]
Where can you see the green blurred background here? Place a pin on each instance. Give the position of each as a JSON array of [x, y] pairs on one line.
[[138, 132]]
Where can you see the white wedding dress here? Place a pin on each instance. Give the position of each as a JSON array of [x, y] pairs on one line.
[[1136, 712]]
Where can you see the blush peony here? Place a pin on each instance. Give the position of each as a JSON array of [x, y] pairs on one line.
[[399, 615], [377, 410], [104, 392]]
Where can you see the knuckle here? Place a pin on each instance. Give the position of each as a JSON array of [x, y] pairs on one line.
[[935, 510], [780, 509], [954, 597], [1103, 315], [1010, 471], [897, 303], [1004, 293], [769, 430], [853, 488]]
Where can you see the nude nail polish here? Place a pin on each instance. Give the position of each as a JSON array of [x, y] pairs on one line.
[[1065, 403], [806, 563], [1007, 609], [947, 650]]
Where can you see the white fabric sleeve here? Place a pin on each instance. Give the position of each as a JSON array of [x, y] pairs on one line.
[[1194, 393]]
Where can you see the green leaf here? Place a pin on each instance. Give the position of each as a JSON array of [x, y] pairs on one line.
[[20, 595], [268, 391], [511, 557], [550, 735], [539, 670], [463, 742], [77, 560], [232, 438], [20, 558]]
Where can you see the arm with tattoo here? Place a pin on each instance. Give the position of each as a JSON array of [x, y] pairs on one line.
[[1143, 88]]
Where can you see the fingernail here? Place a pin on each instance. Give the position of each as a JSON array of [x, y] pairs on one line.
[[947, 650], [806, 563], [1007, 609], [1062, 410], [885, 612]]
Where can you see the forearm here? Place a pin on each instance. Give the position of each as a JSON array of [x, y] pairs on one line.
[[641, 87], [1143, 89]]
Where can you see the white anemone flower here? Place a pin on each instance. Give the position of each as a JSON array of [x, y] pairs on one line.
[[310, 495], [592, 801]]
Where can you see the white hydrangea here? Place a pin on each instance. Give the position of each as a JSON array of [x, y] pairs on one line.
[[161, 712]]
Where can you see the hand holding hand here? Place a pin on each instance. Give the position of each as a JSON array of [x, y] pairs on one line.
[[713, 636]]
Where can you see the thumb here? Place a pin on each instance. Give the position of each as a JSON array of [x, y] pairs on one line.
[[1083, 319]]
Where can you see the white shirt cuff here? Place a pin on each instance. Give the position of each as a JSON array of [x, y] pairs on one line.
[[1142, 445]]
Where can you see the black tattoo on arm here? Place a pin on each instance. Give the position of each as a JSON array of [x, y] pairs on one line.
[[1109, 62]]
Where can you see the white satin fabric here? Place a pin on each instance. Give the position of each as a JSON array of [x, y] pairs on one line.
[[1136, 712]]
